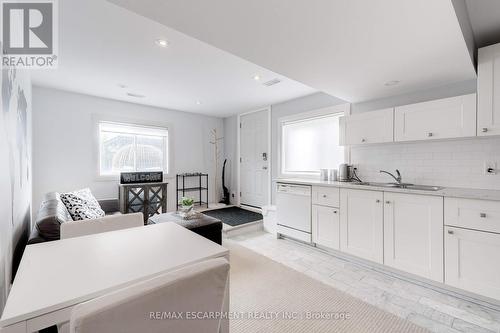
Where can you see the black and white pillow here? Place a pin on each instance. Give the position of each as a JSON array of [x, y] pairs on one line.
[[82, 205]]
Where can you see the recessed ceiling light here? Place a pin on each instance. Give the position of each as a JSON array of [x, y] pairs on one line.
[[256, 77], [198, 103], [391, 83], [135, 95], [161, 42]]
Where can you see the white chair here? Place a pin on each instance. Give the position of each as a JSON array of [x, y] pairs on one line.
[[107, 223], [144, 307]]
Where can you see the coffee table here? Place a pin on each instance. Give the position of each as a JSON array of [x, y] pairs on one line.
[[204, 225]]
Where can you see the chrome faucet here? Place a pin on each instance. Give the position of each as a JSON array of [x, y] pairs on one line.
[[398, 178]]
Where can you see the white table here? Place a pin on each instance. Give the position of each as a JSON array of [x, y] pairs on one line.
[[55, 276]]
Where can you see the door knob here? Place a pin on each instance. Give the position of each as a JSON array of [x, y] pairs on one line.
[[387, 202], [450, 232], [324, 195], [334, 212], [483, 215], [363, 140], [377, 201], [430, 134], [484, 130], [264, 168]]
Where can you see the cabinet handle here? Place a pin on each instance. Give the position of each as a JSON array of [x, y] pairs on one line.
[[430, 134], [334, 212], [324, 195], [483, 215], [363, 140], [484, 130], [377, 201], [387, 202], [450, 232]]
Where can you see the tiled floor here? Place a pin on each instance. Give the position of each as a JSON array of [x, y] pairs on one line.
[[424, 306]]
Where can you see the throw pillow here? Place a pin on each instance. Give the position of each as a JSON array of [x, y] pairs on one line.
[[82, 205]]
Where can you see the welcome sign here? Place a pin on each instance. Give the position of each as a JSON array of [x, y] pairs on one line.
[[141, 177]]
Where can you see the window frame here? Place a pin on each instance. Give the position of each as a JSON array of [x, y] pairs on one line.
[[98, 119], [341, 110]]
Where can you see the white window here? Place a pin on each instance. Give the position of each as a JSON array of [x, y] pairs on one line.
[[310, 144], [127, 147]]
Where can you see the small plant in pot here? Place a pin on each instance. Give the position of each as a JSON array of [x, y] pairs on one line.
[[187, 204]]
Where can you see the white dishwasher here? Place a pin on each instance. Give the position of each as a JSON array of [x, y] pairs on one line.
[[293, 211]]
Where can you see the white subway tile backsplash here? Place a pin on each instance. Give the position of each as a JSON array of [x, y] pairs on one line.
[[453, 163]]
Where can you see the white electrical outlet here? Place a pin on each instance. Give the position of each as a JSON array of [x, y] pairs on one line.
[[490, 168]]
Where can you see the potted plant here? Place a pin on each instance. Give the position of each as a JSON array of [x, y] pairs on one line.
[[187, 204]]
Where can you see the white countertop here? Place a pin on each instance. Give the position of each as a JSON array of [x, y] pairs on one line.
[[452, 192]]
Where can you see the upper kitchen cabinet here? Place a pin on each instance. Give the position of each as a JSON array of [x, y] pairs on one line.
[[369, 127], [488, 90], [439, 119]]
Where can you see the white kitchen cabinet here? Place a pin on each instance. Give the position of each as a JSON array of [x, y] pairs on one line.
[[326, 196], [439, 119], [471, 261], [488, 91], [325, 226], [413, 234], [368, 127], [361, 224], [481, 215]]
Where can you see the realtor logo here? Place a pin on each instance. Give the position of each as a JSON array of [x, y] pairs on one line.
[[29, 36]]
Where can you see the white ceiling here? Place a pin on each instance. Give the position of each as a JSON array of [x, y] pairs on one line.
[[103, 45], [484, 17], [348, 49]]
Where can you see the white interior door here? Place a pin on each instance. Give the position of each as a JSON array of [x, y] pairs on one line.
[[254, 158]]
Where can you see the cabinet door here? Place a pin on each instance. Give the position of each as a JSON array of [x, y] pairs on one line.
[[361, 224], [369, 127], [413, 234], [471, 259], [325, 226], [488, 90], [440, 119]]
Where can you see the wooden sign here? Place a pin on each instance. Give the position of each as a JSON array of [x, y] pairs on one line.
[[141, 177]]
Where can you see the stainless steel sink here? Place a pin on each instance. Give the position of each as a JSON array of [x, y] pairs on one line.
[[403, 185], [422, 187], [377, 184]]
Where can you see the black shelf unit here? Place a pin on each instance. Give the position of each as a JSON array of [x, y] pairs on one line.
[[192, 182]]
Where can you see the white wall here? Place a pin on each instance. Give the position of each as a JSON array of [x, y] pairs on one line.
[[231, 154], [459, 88], [64, 152], [15, 173]]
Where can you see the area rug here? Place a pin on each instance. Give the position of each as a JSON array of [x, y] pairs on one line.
[[267, 296], [234, 216]]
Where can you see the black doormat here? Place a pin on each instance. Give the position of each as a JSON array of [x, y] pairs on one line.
[[234, 216]]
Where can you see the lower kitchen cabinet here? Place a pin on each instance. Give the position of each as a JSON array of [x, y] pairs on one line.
[[471, 261], [413, 229], [361, 224], [325, 226]]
